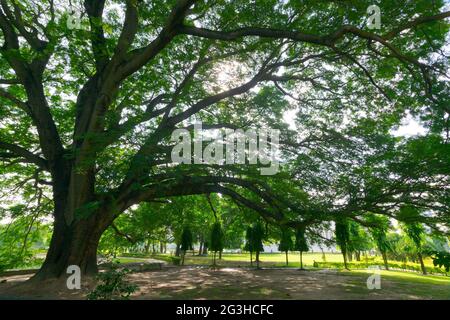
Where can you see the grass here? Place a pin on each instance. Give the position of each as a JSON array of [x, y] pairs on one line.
[[404, 276], [279, 260]]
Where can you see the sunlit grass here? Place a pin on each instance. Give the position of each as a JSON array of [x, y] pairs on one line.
[[404, 276], [279, 259]]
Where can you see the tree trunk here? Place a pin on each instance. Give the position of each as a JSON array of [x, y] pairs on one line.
[[386, 264], [75, 244], [257, 259], [350, 256], [344, 253], [358, 255], [200, 249], [251, 259], [147, 246], [301, 260], [422, 265], [220, 255], [287, 260], [324, 259], [177, 250]]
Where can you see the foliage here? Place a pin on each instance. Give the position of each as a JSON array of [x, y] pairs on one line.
[[88, 114], [112, 285], [300, 241], [286, 243], [441, 259], [216, 243], [20, 240], [186, 239]]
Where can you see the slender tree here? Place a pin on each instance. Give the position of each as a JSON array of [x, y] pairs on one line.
[[216, 244], [258, 235], [286, 243], [249, 243], [415, 233], [300, 244], [343, 238], [186, 242]]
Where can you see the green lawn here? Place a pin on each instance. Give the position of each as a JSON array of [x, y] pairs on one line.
[[279, 260]]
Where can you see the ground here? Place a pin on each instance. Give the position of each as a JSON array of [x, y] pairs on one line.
[[234, 279]]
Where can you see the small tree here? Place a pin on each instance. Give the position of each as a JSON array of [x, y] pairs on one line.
[[286, 243], [343, 238], [301, 244], [257, 237], [379, 235], [186, 242], [249, 243], [216, 240], [415, 232]]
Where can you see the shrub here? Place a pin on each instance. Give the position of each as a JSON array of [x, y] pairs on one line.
[[112, 285], [175, 261]]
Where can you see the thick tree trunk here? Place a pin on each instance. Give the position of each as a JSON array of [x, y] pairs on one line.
[[72, 245], [287, 260]]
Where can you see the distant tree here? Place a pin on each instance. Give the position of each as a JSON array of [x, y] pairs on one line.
[[216, 240], [186, 242], [286, 243], [249, 243], [359, 241], [301, 244], [415, 233], [343, 238], [382, 243], [258, 237]]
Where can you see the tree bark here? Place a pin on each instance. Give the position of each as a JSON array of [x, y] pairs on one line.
[[386, 264], [287, 261], [344, 254], [200, 250], [422, 265], [73, 245]]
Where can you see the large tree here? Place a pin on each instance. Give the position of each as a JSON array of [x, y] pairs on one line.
[[87, 110]]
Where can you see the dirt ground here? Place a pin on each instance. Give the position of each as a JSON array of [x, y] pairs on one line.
[[231, 283]]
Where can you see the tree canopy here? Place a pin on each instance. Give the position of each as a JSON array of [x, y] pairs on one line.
[[87, 111]]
